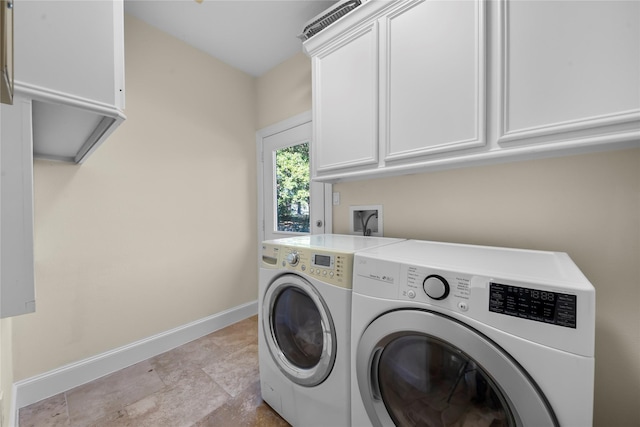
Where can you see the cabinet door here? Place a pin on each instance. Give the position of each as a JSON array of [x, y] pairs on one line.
[[17, 279], [69, 59], [71, 47], [434, 90], [569, 70], [345, 102]]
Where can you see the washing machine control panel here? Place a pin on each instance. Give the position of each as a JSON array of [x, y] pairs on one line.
[[544, 306], [436, 287], [439, 287], [328, 266], [293, 258], [323, 260], [536, 296]]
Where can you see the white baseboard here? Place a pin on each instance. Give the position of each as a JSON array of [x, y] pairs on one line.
[[34, 389]]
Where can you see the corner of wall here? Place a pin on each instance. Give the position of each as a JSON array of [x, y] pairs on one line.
[[284, 91]]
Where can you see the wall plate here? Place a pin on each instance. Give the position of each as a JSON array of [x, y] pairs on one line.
[[368, 217]]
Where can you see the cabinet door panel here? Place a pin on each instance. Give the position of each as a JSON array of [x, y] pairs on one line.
[[346, 102], [568, 65], [434, 77], [17, 277], [68, 47]]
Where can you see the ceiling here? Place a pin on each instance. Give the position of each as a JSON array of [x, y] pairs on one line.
[[252, 35]]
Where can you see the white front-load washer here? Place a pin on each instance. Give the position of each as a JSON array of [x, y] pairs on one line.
[[459, 335], [304, 326]]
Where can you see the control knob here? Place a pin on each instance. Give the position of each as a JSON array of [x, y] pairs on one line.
[[293, 258], [436, 287]]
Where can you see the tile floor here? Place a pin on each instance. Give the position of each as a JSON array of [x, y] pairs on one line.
[[212, 381]]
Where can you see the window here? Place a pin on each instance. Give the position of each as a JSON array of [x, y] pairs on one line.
[[292, 188]]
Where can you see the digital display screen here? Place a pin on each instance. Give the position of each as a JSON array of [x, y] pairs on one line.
[[533, 304], [322, 260]]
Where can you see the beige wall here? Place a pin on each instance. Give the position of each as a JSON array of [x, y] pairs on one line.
[[158, 227], [284, 91], [586, 205], [127, 245]]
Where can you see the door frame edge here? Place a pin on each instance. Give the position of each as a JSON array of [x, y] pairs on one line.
[[265, 132]]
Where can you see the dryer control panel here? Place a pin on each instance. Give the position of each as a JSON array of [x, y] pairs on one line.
[[333, 267]]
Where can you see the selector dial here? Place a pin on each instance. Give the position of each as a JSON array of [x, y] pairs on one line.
[[293, 259], [436, 287]]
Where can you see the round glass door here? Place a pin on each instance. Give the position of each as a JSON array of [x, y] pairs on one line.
[[420, 368], [299, 330], [297, 326], [424, 381]]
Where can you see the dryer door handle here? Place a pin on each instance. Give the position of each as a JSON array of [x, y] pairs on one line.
[[374, 379]]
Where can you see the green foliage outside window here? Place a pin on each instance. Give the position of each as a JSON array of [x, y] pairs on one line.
[[292, 181]]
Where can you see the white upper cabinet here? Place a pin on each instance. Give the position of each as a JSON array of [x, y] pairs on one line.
[[406, 86], [405, 82], [346, 102], [569, 72], [69, 59], [433, 78]]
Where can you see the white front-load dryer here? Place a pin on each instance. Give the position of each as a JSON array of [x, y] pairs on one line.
[[304, 322], [459, 335]]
